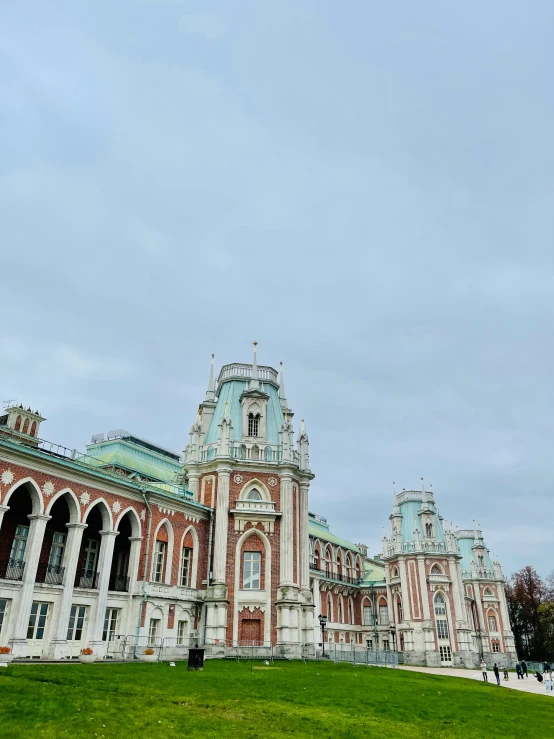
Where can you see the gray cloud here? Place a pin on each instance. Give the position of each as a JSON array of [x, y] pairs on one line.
[[368, 194]]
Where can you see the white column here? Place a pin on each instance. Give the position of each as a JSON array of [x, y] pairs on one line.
[[58, 645], [3, 509], [406, 604], [423, 588], [32, 556], [104, 568], [134, 576], [286, 571], [194, 478], [316, 630], [304, 538], [458, 608], [221, 525]]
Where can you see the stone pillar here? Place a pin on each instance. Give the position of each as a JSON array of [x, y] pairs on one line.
[[287, 539], [58, 646], [104, 568], [221, 526], [32, 556], [3, 509], [406, 604], [194, 479], [304, 539], [134, 577]]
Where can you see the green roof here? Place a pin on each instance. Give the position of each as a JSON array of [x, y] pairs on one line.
[[127, 455], [319, 529], [374, 573]]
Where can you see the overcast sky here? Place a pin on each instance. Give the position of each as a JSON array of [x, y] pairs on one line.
[[364, 188]]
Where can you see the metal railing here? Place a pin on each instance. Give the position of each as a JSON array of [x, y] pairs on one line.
[[87, 579], [14, 570], [357, 655], [335, 576], [119, 584], [54, 575]]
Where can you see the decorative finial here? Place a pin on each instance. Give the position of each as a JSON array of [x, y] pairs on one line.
[[255, 343], [210, 393]]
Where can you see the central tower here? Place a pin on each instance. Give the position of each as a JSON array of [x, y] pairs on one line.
[[242, 461]]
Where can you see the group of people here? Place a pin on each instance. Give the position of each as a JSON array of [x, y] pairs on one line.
[[496, 671], [521, 671], [546, 677]]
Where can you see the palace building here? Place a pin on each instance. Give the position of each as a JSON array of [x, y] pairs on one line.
[[129, 544]]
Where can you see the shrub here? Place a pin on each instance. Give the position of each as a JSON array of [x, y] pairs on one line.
[[87, 650], [5, 650], [149, 651]]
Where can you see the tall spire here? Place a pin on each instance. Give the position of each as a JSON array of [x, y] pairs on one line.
[[210, 393], [282, 396], [254, 384]]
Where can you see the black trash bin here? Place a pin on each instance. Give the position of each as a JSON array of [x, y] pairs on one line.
[[196, 659]]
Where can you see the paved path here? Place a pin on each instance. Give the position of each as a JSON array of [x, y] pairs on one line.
[[529, 685]]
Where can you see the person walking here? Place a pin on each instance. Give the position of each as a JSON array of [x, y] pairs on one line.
[[496, 673], [519, 671], [505, 673], [524, 668], [484, 671]]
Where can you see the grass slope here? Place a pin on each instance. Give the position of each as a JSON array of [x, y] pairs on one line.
[[244, 700]]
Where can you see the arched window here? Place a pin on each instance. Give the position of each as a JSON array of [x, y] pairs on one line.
[[33, 428], [428, 529], [367, 614], [440, 605], [480, 560], [25, 425], [394, 572], [255, 452], [18, 423], [242, 451], [399, 611], [488, 592], [253, 424], [440, 613], [350, 612], [436, 570], [340, 612], [492, 623], [254, 494]]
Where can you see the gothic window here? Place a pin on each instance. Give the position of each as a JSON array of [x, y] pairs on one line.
[[25, 425], [254, 495], [394, 572], [186, 563], [480, 560], [436, 570], [487, 591], [253, 424], [18, 423], [350, 612], [33, 428], [440, 605], [255, 452], [340, 612], [492, 623], [368, 616], [428, 529], [440, 612], [160, 553], [384, 615], [399, 611]]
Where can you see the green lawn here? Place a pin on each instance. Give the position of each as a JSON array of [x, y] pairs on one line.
[[242, 700]]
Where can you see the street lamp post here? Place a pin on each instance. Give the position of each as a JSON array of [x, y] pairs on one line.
[[322, 623]]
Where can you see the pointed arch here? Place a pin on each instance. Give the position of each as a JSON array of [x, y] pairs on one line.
[[194, 565], [136, 527], [72, 504], [437, 569], [166, 578], [34, 491], [105, 512], [257, 485]]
